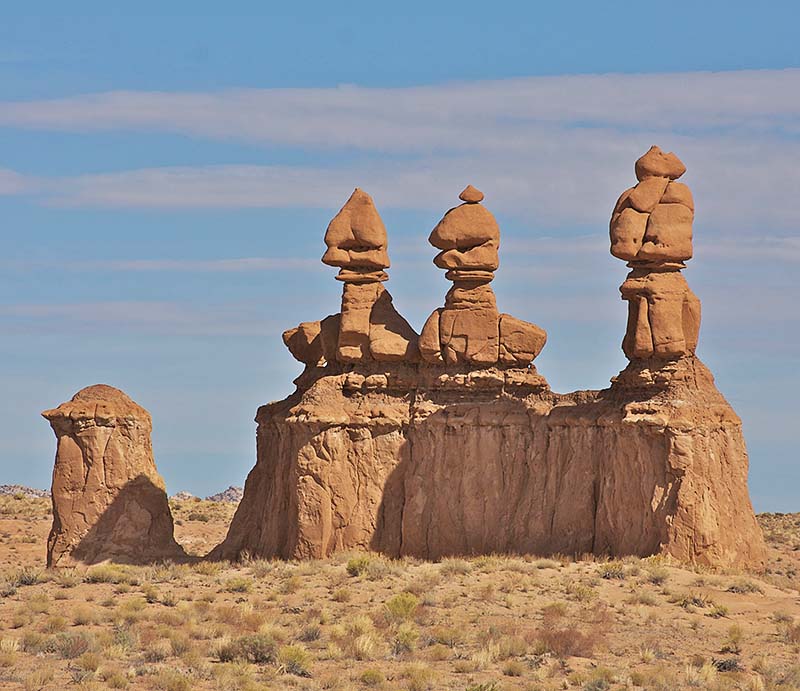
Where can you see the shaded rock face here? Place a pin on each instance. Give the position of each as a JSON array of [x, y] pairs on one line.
[[109, 501], [419, 461]]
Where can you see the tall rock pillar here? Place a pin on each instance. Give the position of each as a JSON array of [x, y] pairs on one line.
[[109, 501]]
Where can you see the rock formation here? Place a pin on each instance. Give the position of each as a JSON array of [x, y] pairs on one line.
[[368, 327], [109, 501], [651, 229], [469, 329], [470, 452]]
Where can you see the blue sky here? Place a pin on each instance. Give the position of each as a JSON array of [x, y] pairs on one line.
[[166, 179]]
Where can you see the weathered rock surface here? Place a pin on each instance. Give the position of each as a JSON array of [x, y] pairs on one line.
[[469, 329], [651, 228], [109, 501], [368, 328], [469, 452], [428, 462]]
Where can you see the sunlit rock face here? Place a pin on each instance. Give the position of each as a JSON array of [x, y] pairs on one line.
[[109, 501], [454, 444]]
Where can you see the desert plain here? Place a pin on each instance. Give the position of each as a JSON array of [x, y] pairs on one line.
[[362, 621]]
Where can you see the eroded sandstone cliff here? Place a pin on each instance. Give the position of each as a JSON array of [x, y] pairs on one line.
[[425, 462]]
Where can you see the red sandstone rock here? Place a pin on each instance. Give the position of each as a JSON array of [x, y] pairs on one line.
[[468, 328], [471, 453], [356, 237], [651, 228], [430, 462], [368, 326], [471, 195], [109, 501], [659, 164]]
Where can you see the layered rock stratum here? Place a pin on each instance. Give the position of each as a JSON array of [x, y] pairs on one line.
[[460, 447], [109, 502]]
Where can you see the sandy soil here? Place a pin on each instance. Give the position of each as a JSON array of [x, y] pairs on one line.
[[360, 621]]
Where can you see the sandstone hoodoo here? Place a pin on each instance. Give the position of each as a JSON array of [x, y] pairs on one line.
[[368, 327], [453, 443], [651, 229], [109, 501], [469, 329]]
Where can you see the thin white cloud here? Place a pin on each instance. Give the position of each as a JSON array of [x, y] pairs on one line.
[[734, 189], [555, 151], [14, 183], [139, 317], [493, 114], [780, 249], [234, 265]]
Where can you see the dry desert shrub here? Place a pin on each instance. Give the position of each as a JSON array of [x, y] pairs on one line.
[[401, 607], [38, 678], [372, 678], [294, 659], [612, 570], [259, 649], [454, 567], [419, 677], [356, 566], [405, 639], [745, 586], [238, 585]]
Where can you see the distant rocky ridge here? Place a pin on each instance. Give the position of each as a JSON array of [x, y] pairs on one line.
[[31, 492], [232, 495]]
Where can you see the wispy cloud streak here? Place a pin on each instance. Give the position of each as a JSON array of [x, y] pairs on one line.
[[496, 113], [554, 150]]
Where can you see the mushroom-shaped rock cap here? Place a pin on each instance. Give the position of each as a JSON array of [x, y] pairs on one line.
[[467, 225], [356, 237], [99, 400], [471, 195], [656, 163]]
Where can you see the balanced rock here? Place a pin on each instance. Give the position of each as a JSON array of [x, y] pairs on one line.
[[109, 501], [368, 326], [651, 229], [469, 328]]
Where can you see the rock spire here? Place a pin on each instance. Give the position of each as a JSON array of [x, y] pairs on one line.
[[469, 328], [651, 229], [368, 327]]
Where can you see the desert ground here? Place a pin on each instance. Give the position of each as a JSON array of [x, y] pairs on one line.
[[361, 621]]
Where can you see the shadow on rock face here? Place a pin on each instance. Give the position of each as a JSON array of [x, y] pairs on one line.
[[135, 528]]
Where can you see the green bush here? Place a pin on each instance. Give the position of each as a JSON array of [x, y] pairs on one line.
[[402, 606], [357, 565], [294, 659]]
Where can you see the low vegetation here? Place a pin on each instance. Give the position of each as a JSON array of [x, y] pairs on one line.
[[361, 621]]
